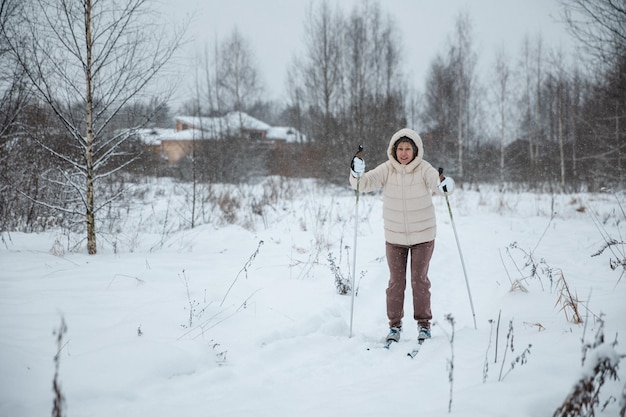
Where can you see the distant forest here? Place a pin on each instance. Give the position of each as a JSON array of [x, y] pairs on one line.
[[76, 77]]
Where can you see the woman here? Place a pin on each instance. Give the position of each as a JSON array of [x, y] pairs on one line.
[[408, 182]]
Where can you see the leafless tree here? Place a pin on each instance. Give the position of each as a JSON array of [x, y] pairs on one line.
[[320, 73], [14, 92], [237, 74], [348, 84], [562, 93], [502, 92], [86, 60], [375, 87], [579, 89], [14, 96], [599, 26], [204, 93], [531, 68], [464, 59], [414, 106], [315, 86], [207, 91], [450, 96], [439, 112]]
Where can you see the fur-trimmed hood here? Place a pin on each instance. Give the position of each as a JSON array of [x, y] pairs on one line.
[[391, 149]]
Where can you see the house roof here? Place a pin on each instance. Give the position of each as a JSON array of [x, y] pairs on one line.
[[153, 136], [221, 126], [200, 128], [287, 134]]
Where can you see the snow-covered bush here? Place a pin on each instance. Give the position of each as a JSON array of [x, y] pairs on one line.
[[600, 362]]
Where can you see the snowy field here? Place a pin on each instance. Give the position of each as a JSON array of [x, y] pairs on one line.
[[240, 315]]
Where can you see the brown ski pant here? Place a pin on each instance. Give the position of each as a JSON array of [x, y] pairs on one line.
[[397, 257]]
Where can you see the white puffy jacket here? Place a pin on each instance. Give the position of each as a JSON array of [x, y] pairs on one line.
[[408, 211]]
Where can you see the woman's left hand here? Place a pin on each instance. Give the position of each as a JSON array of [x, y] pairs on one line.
[[446, 185]]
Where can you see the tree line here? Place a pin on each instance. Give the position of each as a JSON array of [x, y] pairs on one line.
[[78, 78], [540, 117]]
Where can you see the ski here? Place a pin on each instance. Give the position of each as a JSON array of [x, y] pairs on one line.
[[386, 345], [413, 353]]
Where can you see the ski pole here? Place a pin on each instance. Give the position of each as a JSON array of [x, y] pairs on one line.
[[458, 245], [356, 225]]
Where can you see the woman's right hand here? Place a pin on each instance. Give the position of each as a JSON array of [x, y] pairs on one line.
[[357, 166]]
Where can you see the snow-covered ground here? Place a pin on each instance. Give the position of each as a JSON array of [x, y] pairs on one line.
[[240, 316]]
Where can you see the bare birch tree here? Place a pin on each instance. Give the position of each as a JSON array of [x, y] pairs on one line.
[[372, 71], [348, 83], [321, 66], [450, 88], [534, 120], [526, 101], [86, 60], [464, 59], [237, 74], [562, 90], [315, 86], [502, 93]]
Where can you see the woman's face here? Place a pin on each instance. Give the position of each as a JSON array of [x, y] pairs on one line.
[[404, 153]]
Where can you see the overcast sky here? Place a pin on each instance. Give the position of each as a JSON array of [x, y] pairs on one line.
[[274, 29]]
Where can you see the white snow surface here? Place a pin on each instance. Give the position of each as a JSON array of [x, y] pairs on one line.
[[168, 320]]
